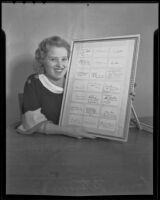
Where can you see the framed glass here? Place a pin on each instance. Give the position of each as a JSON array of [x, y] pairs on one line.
[[100, 78]]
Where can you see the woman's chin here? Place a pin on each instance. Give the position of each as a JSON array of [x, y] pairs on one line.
[[58, 77]]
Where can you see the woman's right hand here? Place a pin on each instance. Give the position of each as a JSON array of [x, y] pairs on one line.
[[69, 130], [77, 132]]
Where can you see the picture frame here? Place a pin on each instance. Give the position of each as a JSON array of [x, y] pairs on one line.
[[99, 82]]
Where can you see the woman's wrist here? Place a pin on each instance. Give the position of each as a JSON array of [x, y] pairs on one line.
[[51, 128]]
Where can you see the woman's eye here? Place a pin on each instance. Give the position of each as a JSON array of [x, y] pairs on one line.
[[64, 59]]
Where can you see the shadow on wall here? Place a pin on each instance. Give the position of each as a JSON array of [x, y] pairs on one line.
[[20, 69]]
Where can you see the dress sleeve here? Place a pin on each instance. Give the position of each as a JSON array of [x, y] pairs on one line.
[[32, 117], [31, 99]]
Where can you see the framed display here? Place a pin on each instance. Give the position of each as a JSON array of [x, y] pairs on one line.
[[100, 78]]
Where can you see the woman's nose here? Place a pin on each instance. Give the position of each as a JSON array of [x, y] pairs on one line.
[[59, 63]]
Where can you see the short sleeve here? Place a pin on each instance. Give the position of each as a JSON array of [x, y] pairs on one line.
[[31, 99], [32, 117]]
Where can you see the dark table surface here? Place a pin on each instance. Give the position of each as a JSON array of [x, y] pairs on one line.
[[57, 165]]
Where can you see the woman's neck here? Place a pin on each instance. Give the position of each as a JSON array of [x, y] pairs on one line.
[[58, 82]]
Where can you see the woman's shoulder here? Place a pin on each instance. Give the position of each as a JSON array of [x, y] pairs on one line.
[[32, 78]]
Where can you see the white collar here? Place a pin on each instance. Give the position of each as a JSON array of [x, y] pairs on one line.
[[50, 86]]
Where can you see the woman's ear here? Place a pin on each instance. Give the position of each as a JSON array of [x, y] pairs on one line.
[[38, 68], [42, 69]]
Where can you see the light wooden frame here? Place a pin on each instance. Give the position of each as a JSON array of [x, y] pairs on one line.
[[110, 65]]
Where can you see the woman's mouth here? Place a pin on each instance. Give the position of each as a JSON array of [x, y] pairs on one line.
[[59, 69]]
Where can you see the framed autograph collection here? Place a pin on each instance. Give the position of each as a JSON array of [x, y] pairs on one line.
[[100, 78]]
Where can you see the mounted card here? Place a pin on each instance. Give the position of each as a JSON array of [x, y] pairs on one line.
[[99, 81]]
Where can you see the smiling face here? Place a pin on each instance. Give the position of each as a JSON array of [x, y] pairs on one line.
[[56, 63]]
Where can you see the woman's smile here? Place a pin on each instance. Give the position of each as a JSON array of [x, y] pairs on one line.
[[56, 63], [59, 69]]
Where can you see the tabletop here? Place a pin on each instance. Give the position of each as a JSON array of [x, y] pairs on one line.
[[41, 164]]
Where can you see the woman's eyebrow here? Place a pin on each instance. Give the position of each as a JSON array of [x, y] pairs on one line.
[[57, 56]]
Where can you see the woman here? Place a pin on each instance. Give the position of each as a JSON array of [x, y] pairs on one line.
[[43, 92]]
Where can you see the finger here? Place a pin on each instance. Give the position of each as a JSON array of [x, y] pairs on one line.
[[132, 94], [86, 136], [89, 136], [94, 137], [79, 137]]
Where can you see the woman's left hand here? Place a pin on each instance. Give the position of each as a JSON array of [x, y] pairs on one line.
[[132, 93]]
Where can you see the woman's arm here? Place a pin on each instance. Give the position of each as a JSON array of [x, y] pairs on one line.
[[49, 128]]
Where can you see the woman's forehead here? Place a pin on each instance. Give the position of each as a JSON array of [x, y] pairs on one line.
[[57, 51]]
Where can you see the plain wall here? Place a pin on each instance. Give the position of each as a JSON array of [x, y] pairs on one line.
[[27, 24]]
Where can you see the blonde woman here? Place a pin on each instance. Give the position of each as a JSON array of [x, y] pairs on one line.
[[43, 92]]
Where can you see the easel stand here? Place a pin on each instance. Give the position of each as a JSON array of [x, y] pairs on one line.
[[136, 118]]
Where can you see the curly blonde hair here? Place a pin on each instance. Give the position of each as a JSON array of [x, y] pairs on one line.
[[43, 48]]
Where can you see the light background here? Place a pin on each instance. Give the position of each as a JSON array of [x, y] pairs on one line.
[[27, 24]]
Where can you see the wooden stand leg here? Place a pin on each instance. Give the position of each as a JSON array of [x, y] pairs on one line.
[[136, 118]]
